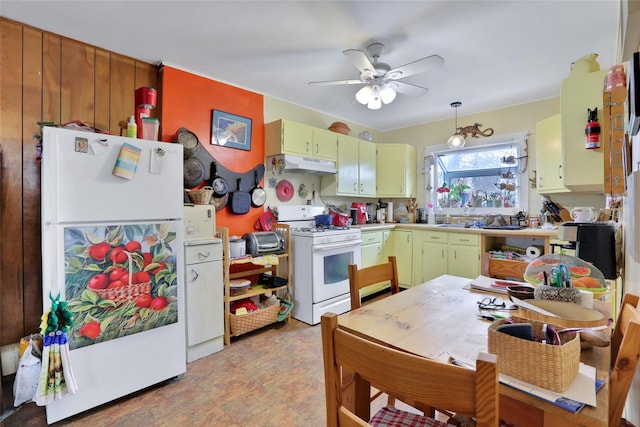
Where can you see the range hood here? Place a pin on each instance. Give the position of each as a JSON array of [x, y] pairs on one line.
[[301, 164]]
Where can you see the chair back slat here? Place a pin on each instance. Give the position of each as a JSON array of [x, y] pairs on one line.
[[362, 277], [408, 377], [625, 353]]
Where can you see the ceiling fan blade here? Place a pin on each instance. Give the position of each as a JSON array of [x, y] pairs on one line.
[[415, 67], [407, 88], [360, 60], [337, 82]]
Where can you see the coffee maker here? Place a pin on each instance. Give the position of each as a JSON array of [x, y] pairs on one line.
[[594, 243]]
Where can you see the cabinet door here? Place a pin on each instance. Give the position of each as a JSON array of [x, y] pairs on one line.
[[366, 168], [395, 170], [325, 144], [387, 245], [371, 256], [583, 169], [549, 155], [347, 166], [370, 241], [403, 248], [434, 260], [464, 261], [204, 302], [296, 138]]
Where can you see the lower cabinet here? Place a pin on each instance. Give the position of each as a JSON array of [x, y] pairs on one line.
[[403, 250], [204, 285], [464, 255], [376, 248], [435, 253]]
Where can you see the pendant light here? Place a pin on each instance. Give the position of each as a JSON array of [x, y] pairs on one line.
[[456, 140]]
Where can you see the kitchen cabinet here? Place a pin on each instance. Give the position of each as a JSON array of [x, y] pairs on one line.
[[372, 255], [287, 137], [435, 253], [582, 169], [549, 156], [236, 325], [395, 170], [613, 141], [204, 298], [324, 144], [464, 255], [356, 164], [403, 249]]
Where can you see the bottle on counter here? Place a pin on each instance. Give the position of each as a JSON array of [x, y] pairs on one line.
[[132, 128], [432, 215]]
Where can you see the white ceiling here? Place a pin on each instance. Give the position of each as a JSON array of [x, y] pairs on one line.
[[497, 53]]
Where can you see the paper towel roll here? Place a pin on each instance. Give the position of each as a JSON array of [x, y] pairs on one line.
[[533, 252], [389, 211], [587, 298]]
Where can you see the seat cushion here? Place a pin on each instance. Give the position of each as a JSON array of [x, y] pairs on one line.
[[393, 417]]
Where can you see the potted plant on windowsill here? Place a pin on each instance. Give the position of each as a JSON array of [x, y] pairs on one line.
[[443, 196], [460, 192], [494, 201]]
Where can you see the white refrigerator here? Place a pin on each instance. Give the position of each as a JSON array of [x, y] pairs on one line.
[[112, 246]]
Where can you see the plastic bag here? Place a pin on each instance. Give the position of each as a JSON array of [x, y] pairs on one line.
[[27, 375]]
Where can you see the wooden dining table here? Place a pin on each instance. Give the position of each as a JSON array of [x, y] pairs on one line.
[[439, 318]]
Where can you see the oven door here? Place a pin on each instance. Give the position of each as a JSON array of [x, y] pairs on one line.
[[330, 268]]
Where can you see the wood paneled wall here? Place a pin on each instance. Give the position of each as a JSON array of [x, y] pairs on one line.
[[46, 77]]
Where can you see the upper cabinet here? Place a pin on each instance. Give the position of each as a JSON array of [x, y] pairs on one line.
[[287, 137], [325, 144], [549, 155], [396, 170], [563, 161], [582, 168], [356, 165]]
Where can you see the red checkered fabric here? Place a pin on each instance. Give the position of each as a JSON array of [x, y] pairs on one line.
[[393, 417]]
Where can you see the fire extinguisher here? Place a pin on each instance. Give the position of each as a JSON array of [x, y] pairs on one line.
[[592, 130]]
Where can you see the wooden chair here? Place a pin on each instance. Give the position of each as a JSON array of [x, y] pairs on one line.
[[625, 351], [360, 278], [413, 379]]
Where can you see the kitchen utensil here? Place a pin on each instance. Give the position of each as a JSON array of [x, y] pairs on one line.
[[583, 214], [193, 172], [220, 187], [258, 195], [240, 201], [284, 190], [188, 140], [324, 219], [220, 202]]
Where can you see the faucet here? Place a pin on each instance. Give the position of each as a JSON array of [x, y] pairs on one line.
[[466, 210]]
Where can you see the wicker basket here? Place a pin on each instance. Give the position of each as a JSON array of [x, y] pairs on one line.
[[243, 323], [553, 367], [130, 291], [201, 196]]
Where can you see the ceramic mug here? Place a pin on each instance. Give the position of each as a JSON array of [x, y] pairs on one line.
[[582, 214]]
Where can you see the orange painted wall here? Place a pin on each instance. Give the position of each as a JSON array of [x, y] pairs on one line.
[[187, 101]]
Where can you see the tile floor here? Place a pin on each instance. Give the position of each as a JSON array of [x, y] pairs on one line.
[[270, 377]]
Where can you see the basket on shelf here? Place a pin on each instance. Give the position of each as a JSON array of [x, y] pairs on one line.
[[243, 323], [553, 367], [201, 196]]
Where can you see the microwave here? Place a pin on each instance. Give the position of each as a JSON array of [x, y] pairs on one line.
[[199, 222]]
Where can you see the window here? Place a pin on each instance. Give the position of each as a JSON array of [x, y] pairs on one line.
[[485, 177]]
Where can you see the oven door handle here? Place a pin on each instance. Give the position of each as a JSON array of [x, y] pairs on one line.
[[329, 246]]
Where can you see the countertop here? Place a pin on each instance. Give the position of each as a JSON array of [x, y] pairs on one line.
[[471, 230]]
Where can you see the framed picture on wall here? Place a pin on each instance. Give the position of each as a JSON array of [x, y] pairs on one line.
[[229, 130]]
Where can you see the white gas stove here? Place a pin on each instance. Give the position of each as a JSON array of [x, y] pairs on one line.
[[320, 257]]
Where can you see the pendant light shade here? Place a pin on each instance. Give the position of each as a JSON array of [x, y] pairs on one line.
[[374, 95], [456, 140]]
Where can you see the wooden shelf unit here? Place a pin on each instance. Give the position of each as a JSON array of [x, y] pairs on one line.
[[282, 269], [504, 268]]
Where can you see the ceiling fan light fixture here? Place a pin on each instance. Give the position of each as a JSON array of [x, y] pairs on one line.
[[363, 96], [387, 94], [375, 103], [456, 140]]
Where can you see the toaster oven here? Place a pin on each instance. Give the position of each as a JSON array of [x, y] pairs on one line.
[[264, 242]]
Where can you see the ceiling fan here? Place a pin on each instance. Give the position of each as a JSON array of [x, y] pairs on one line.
[[381, 82]]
